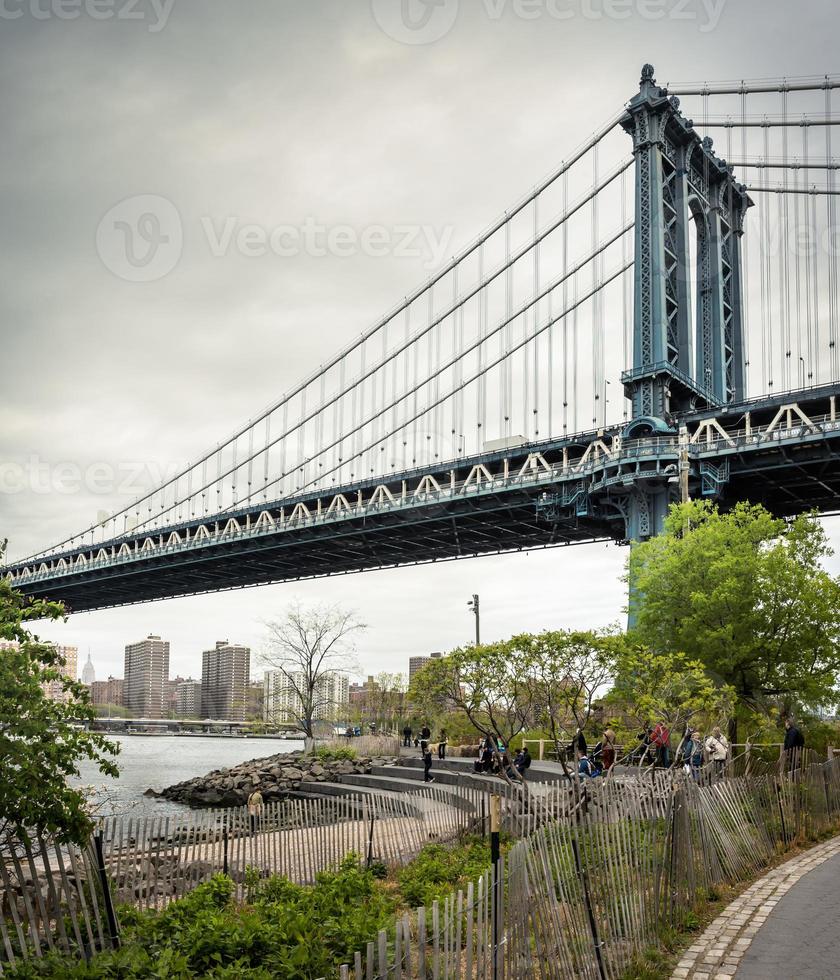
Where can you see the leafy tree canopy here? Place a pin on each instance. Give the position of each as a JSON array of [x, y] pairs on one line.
[[487, 683], [745, 594], [41, 743], [671, 688], [549, 678]]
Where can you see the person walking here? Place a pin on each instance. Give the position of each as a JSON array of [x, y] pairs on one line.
[[794, 743], [425, 733], [717, 750], [442, 744], [255, 806], [407, 733], [426, 754]]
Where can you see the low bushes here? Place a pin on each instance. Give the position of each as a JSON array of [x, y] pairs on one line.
[[281, 931], [284, 932]]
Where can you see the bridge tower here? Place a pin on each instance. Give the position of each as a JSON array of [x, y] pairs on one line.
[[688, 337]]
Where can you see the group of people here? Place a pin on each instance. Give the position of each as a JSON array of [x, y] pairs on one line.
[[600, 760], [493, 759], [694, 750]]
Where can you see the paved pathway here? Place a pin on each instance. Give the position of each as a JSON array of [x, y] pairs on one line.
[[786, 926]]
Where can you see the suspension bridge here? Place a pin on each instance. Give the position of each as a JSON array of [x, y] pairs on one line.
[[656, 320]]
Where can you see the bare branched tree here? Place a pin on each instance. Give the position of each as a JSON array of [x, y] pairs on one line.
[[308, 646]]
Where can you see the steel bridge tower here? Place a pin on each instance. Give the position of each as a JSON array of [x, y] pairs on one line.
[[688, 337]]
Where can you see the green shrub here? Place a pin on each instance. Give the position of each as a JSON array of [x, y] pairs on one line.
[[438, 870], [286, 932], [327, 754]]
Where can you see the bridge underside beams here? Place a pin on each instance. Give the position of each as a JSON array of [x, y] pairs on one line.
[[438, 532]]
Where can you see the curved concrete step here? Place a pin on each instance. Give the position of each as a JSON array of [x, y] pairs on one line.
[[442, 777]]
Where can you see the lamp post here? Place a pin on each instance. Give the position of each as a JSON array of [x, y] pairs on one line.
[[474, 607]]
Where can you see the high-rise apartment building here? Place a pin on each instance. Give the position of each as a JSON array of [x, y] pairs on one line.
[[146, 674], [188, 701], [283, 704], [70, 655], [225, 672], [53, 689], [108, 692], [416, 664]]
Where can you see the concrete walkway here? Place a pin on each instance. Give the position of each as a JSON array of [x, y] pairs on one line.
[[786, 926]]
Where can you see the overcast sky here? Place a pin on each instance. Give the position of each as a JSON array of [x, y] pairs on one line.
[[273, 113]]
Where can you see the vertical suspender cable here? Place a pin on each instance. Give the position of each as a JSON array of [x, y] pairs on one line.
[[481, 389], [596, 299], [784, 304], [454, 380], [565, 307], [535, 358], [265, 455], [506, 340], [406, 359], [830, 232], [767, 280], [809, 321], [745, 258]]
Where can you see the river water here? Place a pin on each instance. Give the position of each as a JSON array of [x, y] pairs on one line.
[[157, 761]]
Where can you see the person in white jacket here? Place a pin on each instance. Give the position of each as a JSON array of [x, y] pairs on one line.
[[717, 750]]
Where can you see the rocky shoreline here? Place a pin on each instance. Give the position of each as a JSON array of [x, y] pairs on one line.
[[277, 777]]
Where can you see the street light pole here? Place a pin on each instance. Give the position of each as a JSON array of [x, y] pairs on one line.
[[474, 605]]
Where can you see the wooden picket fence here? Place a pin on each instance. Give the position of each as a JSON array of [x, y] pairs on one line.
[[152, 860], [54, 896], [584, 894], [599, 866], [63, 897]]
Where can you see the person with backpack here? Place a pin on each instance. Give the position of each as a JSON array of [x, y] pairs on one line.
[[523, 761], [692, 753], [577, 746], [717, 750]]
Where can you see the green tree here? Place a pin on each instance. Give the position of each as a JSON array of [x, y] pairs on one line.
[[671, 688], [745, 594], [565, 670], [486, 683], [41, 741]]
